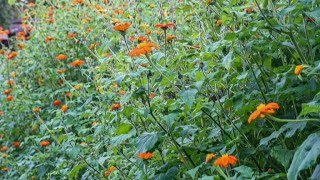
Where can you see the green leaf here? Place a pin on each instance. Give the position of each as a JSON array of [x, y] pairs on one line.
[[124, 129], [75, 170], [227, 60], [193, 172], [309, 108], [146, 142], [188, 96], [170, 174], [115, 141], [245, 171], [11, 2], [283, 156], [316, 173], [305, 156], [170, 118]]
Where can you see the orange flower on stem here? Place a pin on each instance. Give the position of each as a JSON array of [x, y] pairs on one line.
[[298, 69], [263, 109], [145, 156], [61, 57], [63, 108], [122, 27], [11, 55], [44, 143], [5, 169], [77, 63], [9, 98], [10, 82], [169, 38], [35, 110], [109, 171], [56, 103], [209, 157], [164, 26], [48, 39], [225, 160], [8, 91], [115, 106], [3, 148], [16, 144]]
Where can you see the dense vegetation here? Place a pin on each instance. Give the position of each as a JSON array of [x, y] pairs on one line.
[[180, 89]]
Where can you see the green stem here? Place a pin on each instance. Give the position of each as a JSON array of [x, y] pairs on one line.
[[155, 67], [289, 120], [221, 172]]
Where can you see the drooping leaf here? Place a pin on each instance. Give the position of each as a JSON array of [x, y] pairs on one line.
[[75, 170], [305, 156], [146, 142]]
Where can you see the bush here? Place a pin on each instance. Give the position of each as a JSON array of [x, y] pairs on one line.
[[152, 90]]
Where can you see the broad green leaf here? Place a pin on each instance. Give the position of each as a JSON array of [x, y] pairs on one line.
[[309, 108], [115, 141], [11, 2], [316, 173], [170, 174], [146, 142], [75, 170], [227, 60], [283, 156], [193, 172], [305, 156], [170, 118], [188, 96], [124, 129], [245, 171]]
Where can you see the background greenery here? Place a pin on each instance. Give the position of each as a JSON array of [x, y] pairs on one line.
[[213, 76]]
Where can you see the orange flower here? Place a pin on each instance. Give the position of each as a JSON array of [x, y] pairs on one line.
[[71, 35], [56, 103], [298, 69], [35, 110], [68, 94], [209, 157], [143, 48], [225, 160], [77, 63], [2, 51], [218, 22], [143, 64], [61, 57], [247, 10], [16, 144], [60, 70], [145, 156], [1, 113], [44, 143], [4, 155], [5, 169], [7, 91], [31, 4], [10, 82], [48, 39], [50, 21], [164, 26], [122, 27], [60, 82], [21, 46], [151, 96], [9, 98], [107, 54], [115, 106], [109, 171], [122, 93], [263, 109], [24, 18], [170, 38], [64, 108], [11, 55], [3, 148], [21, 36]]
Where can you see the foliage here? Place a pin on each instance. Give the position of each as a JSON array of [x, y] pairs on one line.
[[172, 102]]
